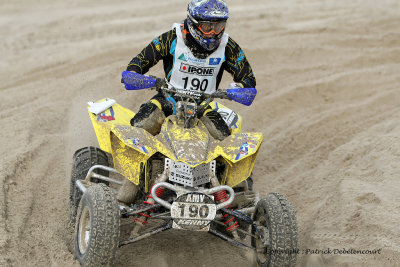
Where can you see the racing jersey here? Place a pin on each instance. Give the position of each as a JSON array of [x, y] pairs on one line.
[[163, 47]]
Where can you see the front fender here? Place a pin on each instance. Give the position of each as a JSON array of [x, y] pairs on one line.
[[240, 151], [131, 147]]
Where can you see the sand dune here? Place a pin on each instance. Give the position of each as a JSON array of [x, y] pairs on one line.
[[328, 107]]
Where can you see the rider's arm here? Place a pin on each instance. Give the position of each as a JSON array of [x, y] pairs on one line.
[[151, 54], [237, 65]]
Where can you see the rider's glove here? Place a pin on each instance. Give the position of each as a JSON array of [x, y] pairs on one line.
[[235, 85]]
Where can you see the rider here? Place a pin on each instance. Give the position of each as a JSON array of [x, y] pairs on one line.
[[195, 53]]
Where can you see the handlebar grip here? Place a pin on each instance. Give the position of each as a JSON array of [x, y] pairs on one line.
[[160, 83], [220, 94]]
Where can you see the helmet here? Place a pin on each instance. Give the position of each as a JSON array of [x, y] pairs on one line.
[[206, 22]]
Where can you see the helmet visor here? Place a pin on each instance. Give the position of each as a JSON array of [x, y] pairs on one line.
[[210, 28]]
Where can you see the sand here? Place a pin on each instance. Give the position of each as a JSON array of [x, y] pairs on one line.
[[328, 77]]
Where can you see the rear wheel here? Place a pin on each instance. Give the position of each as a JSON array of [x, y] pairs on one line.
[[83, 160], [276, 234], [97, 227]]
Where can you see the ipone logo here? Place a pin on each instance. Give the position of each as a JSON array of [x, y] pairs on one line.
[[201, 71]]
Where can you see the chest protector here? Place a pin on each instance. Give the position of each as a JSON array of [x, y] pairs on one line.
[[192, 73]]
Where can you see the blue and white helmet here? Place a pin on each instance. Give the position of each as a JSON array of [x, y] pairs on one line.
[[206, 22]]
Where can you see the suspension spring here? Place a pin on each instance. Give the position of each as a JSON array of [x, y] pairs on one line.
[[230, 222], [144, 216]]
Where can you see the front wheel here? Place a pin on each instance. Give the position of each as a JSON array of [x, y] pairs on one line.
[[276, 233], [97, 227], [83, 160]]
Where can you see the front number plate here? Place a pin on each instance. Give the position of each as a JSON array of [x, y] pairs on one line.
[[193, 211]]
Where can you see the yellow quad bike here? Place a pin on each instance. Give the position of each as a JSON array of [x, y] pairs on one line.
[[182, 178]]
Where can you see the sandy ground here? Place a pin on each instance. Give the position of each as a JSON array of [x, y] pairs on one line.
[[328, 75]]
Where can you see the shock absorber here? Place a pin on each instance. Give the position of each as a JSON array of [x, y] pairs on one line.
[[141, 220], [230, 222], [144, 216]]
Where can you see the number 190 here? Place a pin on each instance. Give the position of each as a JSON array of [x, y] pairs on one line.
[[196, 84], [195, 211]]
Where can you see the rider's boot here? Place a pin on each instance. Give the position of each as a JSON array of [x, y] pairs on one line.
[[215, 125], [149, 118]]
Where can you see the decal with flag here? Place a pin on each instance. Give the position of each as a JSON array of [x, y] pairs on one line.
[[215, 60]]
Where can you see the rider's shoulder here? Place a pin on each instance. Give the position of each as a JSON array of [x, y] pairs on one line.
[[232, 43], [165, 38], [168, 34]]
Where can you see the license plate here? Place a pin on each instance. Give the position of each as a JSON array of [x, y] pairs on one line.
[[193, 211]]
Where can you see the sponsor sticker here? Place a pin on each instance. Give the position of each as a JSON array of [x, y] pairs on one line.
[[189, 58], [244, 150], [106, 116], [229, 116], [201, 71], [182, 57], [214, 61], [136, 142]]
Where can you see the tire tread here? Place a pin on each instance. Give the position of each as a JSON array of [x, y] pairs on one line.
[[105, 224], [83, 159], [283, 236]]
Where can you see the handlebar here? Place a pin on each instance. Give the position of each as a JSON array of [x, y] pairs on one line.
[[161, 86], [136, 81]]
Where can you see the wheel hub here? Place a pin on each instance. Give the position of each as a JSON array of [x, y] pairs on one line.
[[262, 240], [84, 230]]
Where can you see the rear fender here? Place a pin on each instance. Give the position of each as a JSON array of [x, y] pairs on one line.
[[104, 121]]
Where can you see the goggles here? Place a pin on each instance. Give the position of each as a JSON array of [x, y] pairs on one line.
[[209, 28]]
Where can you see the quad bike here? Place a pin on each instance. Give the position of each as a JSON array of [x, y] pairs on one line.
[[183, 178]]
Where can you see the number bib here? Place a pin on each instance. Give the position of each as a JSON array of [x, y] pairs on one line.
[[192, 73]]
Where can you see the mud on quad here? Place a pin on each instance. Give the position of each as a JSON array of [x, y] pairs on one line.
[[182, 177]]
